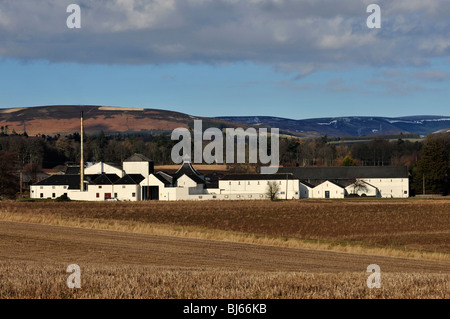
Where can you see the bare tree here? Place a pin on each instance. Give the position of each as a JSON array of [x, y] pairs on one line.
[[358, 186], [272, 189]]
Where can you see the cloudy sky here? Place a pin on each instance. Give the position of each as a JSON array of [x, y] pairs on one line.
[[287, 58]]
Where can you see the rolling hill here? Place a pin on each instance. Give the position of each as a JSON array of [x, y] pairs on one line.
[[64, 119], [349, 126]]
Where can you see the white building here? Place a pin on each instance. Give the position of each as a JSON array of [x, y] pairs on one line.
[[375, 181], [138, 181], [328, 189]]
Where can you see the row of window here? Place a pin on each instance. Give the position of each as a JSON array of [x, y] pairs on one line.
[[258, 183]]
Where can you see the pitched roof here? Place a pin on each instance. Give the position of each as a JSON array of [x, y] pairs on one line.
[[72, 181], [130, 179], [307, 184], [136, 157], [241, 177], [105, 179], [164, 178], [187, 169], [346, 172], [195, 178]]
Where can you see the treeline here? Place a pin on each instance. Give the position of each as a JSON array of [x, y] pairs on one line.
[[428, 161]]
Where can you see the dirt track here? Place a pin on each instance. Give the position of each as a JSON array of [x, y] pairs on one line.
[[43, 243]]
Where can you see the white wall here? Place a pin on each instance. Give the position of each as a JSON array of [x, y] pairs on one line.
[[128, 192], [289, 189], [136, 168], [335, 190], [305, 191], [391, 187], [100, 168], [47, 191], [368, 190]]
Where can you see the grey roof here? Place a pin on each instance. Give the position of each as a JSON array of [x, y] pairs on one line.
[[346, 172], [164, 178], [72, 181], [308, 184], [136, 157], [187, 169], [335, 183], [130, 179], [190, 171], [105, 179], [240, 177]]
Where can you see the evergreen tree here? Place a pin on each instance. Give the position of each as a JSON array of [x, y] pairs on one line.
[[434, 166]]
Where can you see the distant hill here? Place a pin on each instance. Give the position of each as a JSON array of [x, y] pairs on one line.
[[65, 119], [349, 126]]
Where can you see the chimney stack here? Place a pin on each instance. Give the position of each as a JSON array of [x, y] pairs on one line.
[[81, 157]]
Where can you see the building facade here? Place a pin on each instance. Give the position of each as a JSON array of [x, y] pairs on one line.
[[137, 181]]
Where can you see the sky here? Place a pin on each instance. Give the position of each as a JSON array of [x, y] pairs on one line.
[[294, 59]]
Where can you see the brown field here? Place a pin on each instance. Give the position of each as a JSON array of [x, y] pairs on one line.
[[143, 250]]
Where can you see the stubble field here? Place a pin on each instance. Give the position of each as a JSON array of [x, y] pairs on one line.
[[292, 249]]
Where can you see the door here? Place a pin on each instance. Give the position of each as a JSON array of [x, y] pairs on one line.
[[327, 194], [107, 196], [150, 192]]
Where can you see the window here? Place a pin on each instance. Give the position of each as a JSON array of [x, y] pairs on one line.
[[97, 195], [280, 183], [200, 197], [229, 183], [239, 183], [282, 193], [133, 195], [41, 195], [115, 195], [248, 183], [100, 186], [258, 182], [296, 193], [53, 195], [123, 186], [214, 196], [65, 187], [53, 187], [405, 192], [42, 187]]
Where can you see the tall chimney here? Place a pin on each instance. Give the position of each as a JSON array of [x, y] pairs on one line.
[[81, 156]]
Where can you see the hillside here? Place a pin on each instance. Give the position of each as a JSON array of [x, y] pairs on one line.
[[349, 126], [64, 119]]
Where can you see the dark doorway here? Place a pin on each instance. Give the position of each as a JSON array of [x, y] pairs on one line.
[[327, 194], [150, 192]]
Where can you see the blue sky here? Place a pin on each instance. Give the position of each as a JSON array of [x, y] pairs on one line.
[[294, 59]]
